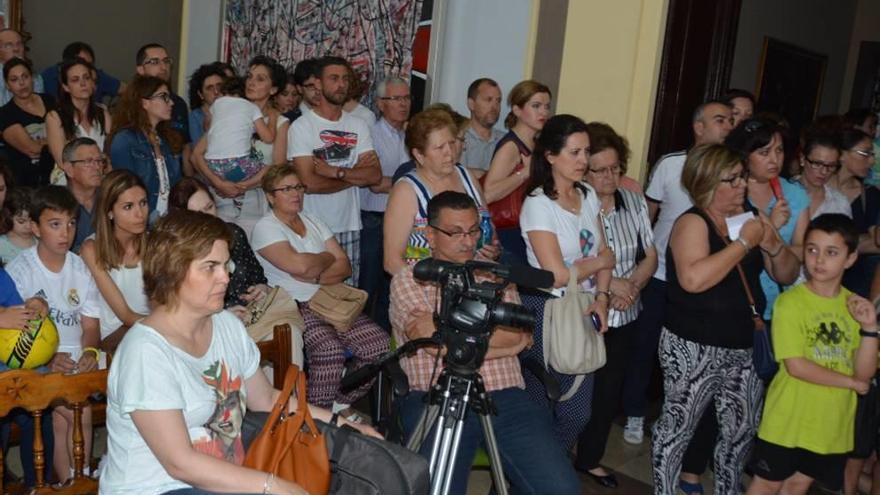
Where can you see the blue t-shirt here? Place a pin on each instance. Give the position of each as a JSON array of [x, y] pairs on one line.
[[798, 200], [196, 124], [8, 293]]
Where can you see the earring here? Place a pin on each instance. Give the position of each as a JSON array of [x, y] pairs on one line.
[[110, 216]]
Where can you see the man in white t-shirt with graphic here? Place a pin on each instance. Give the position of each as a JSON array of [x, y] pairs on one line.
[[333, 155], [51, 272], [712, 122]]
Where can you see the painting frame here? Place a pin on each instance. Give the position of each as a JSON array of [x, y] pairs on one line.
[[790, 81], [10, 12]]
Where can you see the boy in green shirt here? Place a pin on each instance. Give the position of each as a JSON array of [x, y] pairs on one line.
[[826, 340]]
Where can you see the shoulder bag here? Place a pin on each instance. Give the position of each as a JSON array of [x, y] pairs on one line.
[[275, 308], [292, 447], [572, 344], [338, 304]]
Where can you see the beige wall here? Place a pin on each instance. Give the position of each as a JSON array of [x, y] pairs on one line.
[[610, 66], [114, 28]]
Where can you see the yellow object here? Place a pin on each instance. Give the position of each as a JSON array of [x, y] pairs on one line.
[[93, 350], [29, 348]]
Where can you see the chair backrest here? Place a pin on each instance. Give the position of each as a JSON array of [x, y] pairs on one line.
[[35, 392], [278, 352]]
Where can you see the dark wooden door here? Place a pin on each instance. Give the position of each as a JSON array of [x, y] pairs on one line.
[[697, 56]]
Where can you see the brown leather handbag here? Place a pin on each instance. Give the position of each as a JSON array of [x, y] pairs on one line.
[[338, 305], [292, 447]]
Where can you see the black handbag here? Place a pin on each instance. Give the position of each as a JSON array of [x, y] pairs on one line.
[[867, 424], [359, 464]]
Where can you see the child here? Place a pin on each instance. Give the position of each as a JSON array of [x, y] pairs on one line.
[[233, 121], [15, 313], [51, 272], [826, 339], [20, 237]]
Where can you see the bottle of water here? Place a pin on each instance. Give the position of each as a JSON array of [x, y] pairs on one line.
[[486, 227]]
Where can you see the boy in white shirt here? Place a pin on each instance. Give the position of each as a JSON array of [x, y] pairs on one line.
[[51, 272]]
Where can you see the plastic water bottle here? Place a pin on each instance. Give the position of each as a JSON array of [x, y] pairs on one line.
[[486, 227]]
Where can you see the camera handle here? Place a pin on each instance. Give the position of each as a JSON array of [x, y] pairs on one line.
[[448, 403]]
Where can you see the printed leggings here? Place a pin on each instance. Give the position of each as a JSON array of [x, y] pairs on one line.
[[695, 375]]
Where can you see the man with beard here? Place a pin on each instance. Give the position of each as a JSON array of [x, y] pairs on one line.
[[484, 103], [333, 155]]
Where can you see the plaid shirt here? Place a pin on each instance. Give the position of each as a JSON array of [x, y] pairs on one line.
[[409, 296]]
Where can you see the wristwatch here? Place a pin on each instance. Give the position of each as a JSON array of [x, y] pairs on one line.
[[865, 333], [340, 173]]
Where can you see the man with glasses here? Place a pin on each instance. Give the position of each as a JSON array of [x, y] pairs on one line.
[[11, 45], [83, 163], [153, 60], [533, 461], [333, 154], [305, 77], [394, 102]]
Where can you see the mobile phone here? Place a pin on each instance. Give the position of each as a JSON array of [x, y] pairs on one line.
[[597, 322]]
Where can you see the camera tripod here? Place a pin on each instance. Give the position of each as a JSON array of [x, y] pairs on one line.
[[448, 404]]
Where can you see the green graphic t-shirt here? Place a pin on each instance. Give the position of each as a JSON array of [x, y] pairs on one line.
[[797, 413]]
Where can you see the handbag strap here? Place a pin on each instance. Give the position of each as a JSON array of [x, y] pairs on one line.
[[759, 321], [280, 406]]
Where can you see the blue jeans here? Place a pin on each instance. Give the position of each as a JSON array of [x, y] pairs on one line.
[[373, 278], [646, 339], [26, 438], [532, 459]]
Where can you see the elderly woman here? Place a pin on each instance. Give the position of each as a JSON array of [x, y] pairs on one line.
[[23, 124], [243, 203], [143, 141], [562, 228], [299, 253], [431, 141], [247, 281], [508, 174], [628, 233], [78, 113], [185, 364], [706, 345], [114, 255]]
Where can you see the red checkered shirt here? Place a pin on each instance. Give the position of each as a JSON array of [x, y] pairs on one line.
[[409, 296]]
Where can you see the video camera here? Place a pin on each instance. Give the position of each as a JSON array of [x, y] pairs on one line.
[[468, 310]]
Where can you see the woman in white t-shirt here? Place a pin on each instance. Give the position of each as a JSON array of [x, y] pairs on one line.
[[299, 253], [183, 377], [561, 227], [114, 254]]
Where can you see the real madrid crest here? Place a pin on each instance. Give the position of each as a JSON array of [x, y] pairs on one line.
[[73, 297]]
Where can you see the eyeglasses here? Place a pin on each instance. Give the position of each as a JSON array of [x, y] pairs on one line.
[[289, 189], [866, 154], [396, 98], [158, 61], [164, 96], [11, 45], [819, 165], [613, 170], [94, 162], [737, 180], [459, 235]]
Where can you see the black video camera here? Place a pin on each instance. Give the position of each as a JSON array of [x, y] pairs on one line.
[[470, 310]]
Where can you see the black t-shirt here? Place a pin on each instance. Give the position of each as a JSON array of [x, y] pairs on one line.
[[866, 209], [719, 316], [28, 172], [248, 270]]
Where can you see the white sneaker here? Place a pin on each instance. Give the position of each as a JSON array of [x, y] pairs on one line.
[[634, 432]]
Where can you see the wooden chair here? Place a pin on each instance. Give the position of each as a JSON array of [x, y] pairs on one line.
[[35, 392], [277, 352]]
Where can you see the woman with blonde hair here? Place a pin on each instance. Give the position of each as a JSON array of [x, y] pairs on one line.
[[114, 254], [506, 181]]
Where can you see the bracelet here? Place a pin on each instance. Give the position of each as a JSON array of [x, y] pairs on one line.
[[267, 485], [865, 333], [744, 244], [603, 293], [92, 349]]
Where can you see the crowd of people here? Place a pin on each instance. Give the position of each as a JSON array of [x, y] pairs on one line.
[[144, 226]]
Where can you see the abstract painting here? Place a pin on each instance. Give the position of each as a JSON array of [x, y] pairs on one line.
[[375, 36]]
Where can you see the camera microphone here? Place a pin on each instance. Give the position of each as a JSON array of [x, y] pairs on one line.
[[431, 269]]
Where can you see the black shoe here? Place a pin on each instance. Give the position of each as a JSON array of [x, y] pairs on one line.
[[607, 481]]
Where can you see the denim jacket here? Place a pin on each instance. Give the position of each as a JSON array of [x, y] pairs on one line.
[[132, 151]]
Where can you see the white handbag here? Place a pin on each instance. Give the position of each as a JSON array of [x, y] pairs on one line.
[[572, 344]]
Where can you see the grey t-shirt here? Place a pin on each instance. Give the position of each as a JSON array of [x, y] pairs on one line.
[[477, 152]]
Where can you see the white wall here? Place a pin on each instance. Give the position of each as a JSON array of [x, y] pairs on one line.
[[199, 38], [485, 38]]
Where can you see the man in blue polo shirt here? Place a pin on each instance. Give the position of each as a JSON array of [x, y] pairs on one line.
[[107, 84]]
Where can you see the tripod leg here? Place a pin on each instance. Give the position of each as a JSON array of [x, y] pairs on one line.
[[450, 465], [442, 469], [494, 455], [426, 422]]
